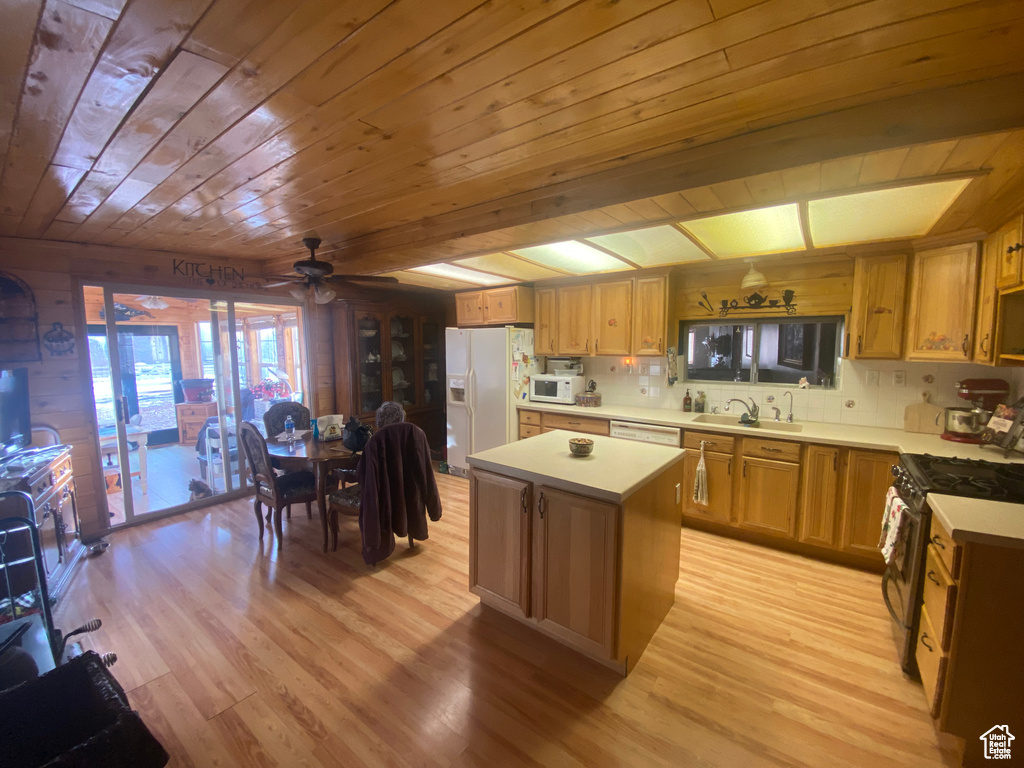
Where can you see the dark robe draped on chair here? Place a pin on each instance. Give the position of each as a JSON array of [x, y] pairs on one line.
[[398, 489]]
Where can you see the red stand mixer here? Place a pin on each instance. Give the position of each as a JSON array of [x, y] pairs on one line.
[[965, 425]]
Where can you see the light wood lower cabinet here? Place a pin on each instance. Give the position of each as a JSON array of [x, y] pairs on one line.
[[574, 547], [499, 536], [969, 647], [819, 495], [718, 467], [768, 495], [868, 477], [597, 576]]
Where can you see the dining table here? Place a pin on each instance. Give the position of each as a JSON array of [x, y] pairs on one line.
[[298, 454]]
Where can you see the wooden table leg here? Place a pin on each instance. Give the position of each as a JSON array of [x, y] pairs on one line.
[[321, 495]]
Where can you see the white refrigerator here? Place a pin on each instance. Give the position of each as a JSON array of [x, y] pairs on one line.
[[487, 373]]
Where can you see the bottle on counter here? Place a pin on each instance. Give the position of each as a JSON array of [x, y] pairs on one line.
[[700, 403], [316, 431], [687, 402]]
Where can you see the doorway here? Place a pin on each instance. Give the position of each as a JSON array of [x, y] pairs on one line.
[[173, 377]]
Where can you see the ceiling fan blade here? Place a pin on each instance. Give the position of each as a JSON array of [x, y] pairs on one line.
[[379, 279], [279, 283]]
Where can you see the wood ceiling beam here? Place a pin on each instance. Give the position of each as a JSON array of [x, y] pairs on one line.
[[939, 114]]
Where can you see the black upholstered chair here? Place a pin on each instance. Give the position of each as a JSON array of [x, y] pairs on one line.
[[276, 491], [274, 418]]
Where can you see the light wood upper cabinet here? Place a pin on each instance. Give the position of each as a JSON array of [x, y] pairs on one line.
[[545, 321], [819, 495], [650, 317], [495, 306], [575, 315], [1010, 248], [942, 296], [575, 546], [879, 301], [988, 297], [719, 473], [469, 308], [499, 534], [768, 496], [869, 475], [613, 316]]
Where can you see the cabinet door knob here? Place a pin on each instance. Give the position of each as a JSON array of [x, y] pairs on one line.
[[934, 579], [860, 339], [963, 344], [924, 641], [540, 505], [771, 450], [938, 542], [983, 350]]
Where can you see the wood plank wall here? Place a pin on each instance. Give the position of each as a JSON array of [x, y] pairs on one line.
[[822, 286]]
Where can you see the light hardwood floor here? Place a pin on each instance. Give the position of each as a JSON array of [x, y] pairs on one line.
[[242, 654]]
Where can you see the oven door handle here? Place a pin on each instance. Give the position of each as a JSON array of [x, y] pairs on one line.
[[887, 577]]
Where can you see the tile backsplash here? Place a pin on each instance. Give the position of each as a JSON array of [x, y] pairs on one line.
[[858, 399]]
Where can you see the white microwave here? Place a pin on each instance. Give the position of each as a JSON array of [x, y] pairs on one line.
[[548, 388]]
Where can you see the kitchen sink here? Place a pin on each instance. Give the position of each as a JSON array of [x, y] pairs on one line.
[[734, 421]]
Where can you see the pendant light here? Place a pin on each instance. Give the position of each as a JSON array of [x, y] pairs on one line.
[[753, 279], [323, 294], [298, 292]]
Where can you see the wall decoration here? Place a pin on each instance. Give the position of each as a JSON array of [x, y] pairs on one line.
[[59, 341], [19, 321], [209, 275], [754, 302]]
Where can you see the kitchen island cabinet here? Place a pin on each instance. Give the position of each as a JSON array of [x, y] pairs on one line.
[[586, 550]]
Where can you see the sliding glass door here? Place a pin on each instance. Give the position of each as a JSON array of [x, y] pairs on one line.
[[173, 378]]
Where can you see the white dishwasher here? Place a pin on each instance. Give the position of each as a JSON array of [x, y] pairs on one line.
[[646, 433]]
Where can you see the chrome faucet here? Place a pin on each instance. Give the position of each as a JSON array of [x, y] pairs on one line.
[[751, 410], [790, 417], [778, 414]]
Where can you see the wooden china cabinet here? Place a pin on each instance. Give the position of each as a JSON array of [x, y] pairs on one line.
[[391, 351]]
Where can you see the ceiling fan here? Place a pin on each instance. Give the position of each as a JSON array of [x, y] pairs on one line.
[[312, 273]]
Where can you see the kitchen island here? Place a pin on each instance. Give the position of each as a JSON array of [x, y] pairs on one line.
[[584, 549]]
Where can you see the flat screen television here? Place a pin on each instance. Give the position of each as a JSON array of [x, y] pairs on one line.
[[15, 423]]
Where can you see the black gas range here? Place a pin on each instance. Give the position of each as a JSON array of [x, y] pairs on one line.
[[915, 477], [963, 477]]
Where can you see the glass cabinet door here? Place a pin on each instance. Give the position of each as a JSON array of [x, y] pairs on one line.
[[403, 359], [430, 334], [371, 367]]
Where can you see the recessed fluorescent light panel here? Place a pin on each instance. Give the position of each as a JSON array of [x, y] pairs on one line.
[[510, 266], [574, 257], [750, 233], [460, 273], [884, 214], [652, 247]]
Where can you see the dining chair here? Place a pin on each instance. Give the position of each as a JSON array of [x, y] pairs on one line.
[[275, 417], [389, 412], [276, 491]]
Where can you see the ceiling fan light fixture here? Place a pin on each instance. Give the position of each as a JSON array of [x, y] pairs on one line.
[[753, 279], [154, 302], [323, 294], [298, 292]]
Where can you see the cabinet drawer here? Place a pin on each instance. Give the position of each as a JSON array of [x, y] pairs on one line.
[[196, 409], [777, 450], [945, 548], [525, 431], [712, 442], [939, 596], [530, 417], [932, 663], [575, 423]]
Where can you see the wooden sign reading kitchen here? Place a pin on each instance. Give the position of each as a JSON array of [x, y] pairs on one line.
[[207, 274]]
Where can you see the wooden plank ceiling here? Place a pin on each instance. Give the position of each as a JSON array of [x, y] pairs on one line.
[[234, 127]]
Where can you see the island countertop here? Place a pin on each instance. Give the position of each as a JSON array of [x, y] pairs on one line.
[[979, 520], [613, 472]]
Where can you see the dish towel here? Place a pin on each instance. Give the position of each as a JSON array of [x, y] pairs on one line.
[[700, 480], [893, 523]]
